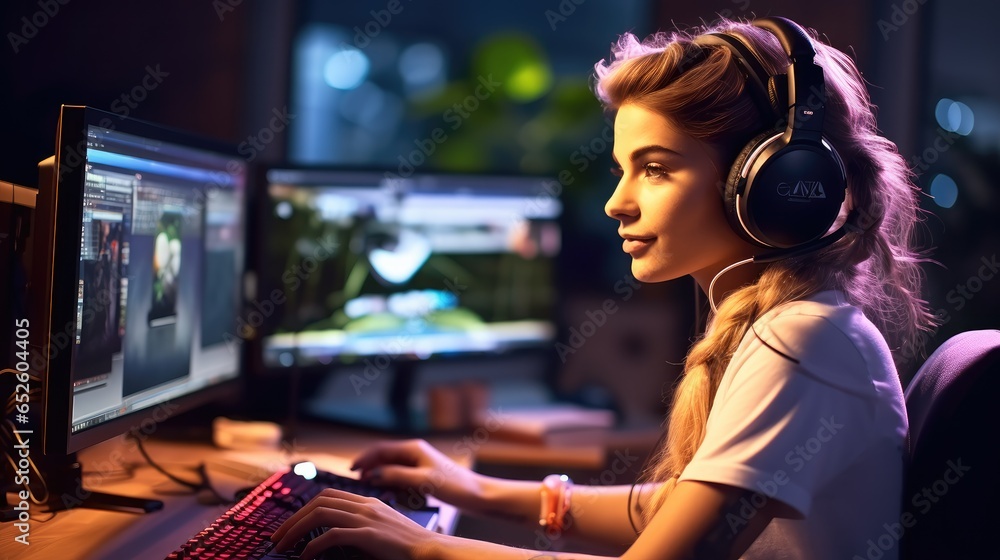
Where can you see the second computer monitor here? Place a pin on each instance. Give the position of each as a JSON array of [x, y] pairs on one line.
[[357, 264], [137, 275]]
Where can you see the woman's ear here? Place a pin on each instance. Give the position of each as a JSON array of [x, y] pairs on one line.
[[845, 210], [720, 161]]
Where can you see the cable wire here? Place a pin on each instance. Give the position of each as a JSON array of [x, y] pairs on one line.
[[711, 285], [203, 484]]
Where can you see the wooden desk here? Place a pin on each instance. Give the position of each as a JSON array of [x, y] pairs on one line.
[[86, 534]]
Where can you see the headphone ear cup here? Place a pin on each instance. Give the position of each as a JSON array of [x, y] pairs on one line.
[[777, 92], [734, 184]]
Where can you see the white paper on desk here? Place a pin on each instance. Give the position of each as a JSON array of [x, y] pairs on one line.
[[555, 418], [263, 463], [555, 425]]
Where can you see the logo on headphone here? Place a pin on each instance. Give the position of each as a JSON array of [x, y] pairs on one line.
[[802, 190]]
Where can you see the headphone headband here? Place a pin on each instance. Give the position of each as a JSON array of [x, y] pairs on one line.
[[806, 83], [804, 104], [794, 40]]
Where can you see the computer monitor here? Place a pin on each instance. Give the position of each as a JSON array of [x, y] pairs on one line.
[[363, 267], [138, 269]]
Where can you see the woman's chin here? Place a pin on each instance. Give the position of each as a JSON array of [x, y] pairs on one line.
[[644, 273]]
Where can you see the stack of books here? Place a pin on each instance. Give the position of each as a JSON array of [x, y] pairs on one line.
[[553, 425]]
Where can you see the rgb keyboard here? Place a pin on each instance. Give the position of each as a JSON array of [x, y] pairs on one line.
[[244, 531]]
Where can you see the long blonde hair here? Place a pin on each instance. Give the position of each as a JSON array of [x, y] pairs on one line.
[[875, 265]]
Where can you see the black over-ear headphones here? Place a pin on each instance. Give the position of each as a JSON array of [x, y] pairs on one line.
[[786, 186]]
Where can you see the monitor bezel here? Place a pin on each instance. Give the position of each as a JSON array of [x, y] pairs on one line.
[[59, 214]]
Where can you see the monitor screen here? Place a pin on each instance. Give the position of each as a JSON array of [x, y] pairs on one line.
[[145, 231], [359, 264]]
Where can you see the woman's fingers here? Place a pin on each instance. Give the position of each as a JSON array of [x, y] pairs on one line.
[[391, 452], [350, 520], [394, 475], [323, 516], [337, 536], [339, 500]]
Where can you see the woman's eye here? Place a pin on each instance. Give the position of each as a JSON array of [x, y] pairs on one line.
[[655, 170], [617, 171]]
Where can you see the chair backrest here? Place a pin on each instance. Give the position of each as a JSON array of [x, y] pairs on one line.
[[951, 498]]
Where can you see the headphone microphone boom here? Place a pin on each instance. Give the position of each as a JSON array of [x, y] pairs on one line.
[[786, 187]]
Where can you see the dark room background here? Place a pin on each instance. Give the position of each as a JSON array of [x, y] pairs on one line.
[[361, 82]]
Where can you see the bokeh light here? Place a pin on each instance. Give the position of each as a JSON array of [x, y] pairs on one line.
[[422, 65], [944, 190], [518, 63], [954, 116], [346, 68]]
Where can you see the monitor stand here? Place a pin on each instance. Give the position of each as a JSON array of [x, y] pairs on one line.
[[383, 406], [400, 391], [64, 479]]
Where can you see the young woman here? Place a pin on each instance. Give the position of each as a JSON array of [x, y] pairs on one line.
[[786, 435]]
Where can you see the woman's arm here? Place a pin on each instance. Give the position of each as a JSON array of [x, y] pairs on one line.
[[702, 520], [697, 521], [458, 548], [597, 513]]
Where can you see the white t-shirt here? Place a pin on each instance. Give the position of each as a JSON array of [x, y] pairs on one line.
[[825, 436]]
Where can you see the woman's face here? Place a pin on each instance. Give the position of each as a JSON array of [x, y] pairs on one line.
[[667, 201]]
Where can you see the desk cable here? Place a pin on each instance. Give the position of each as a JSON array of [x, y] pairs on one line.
[[203, 484]]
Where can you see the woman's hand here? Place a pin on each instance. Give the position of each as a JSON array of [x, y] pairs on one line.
[[357, 521], [417, 465]]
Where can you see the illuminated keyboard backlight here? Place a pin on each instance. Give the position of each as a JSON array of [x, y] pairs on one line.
[[306, 470]]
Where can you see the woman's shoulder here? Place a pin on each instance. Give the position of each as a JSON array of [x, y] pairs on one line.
[[825, 335], [829, 303], [823, 315]]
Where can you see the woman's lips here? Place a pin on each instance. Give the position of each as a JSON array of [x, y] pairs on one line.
[[634, 245]]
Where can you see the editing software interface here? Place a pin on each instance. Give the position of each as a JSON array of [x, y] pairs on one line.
[[161, 255], [356, 265]]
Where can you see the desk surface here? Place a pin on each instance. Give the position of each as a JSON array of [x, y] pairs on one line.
[[86, 534]]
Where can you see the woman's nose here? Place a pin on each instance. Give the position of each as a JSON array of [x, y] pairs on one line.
[[622, 204]]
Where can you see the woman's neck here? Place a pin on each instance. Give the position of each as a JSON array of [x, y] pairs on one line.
[[730, 281]]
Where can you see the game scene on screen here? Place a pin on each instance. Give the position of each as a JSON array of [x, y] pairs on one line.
[[432, 265]]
